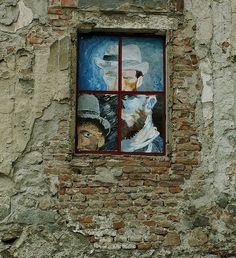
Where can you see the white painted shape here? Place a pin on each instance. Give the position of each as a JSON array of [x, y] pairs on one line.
[[207, 110], [207, 92], [25, 16]]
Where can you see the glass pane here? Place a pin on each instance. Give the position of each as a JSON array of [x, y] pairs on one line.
[[97, 122], [98, 63], [142, 64], [142, 123]]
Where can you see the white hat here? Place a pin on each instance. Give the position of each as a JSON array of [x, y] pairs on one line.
[[131, 59]]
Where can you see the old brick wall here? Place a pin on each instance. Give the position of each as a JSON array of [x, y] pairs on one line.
[[56, 204]]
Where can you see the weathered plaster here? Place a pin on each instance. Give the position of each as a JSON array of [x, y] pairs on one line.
[[55, 205]]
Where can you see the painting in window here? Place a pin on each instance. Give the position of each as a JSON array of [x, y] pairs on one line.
[[97, 122], [121, 95], [141, 127], [98, 63]]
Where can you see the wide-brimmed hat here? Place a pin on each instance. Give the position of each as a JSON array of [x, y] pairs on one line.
[[88, 107], [131, 59]]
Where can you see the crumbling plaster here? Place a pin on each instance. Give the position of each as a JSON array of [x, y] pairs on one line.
[[37, 119]]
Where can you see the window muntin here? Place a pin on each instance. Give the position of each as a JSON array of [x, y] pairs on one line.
[[121, 95]]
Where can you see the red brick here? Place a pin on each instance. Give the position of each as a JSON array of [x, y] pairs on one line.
[[135, 169], [64, 177], [61, 190], [135, 182], [85, 219], [121, 196], [170, 183], [177, 178], [87, 190], [140, 202], [149, 211], [123, 182], [102, 190], [186, 161], [159, 170], [185, 173], [54, 10], [173, 218], [161, 189], [150, 223], [69, 3], [178, 167], [175, 189], [136, 176], [172, 239], [156, 163], [144, 246], [188, 147], [125, 203], [35, 41], [156, 203], [150, 176], [110, 204], [131, 162], [118, 225], [194, 60], [160, 231], [149, 183], [164, 177], [71, 191]]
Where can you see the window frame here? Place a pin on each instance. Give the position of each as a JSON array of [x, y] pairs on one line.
[[121, 93]]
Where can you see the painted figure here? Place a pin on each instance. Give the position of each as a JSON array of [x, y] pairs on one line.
[[133, 69], [109, 67], [138, 131], [92, 129], [141, 60]]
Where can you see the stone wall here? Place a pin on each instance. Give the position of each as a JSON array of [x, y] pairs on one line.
[[57, 204]]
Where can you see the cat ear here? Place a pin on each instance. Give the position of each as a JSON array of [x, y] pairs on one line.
[[139, 81]]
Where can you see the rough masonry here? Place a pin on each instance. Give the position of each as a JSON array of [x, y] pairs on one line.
[[57, 204]]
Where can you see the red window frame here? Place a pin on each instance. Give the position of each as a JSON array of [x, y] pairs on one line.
[[121, 93]]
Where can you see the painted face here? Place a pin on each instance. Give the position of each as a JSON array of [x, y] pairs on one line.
[[135, 110], [129, 80], [90, 137], [110, 78], [132, 107]]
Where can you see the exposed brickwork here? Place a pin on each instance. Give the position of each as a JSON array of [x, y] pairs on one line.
[[140, 209]]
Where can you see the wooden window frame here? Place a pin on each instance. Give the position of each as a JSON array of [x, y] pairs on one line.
[[121, 93]]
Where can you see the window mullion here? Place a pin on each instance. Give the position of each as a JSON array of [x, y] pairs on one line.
[[119, 93]]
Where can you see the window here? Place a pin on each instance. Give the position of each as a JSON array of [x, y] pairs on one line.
[[120, 94]]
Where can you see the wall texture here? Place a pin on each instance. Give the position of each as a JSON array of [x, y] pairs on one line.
[[55, 204]]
